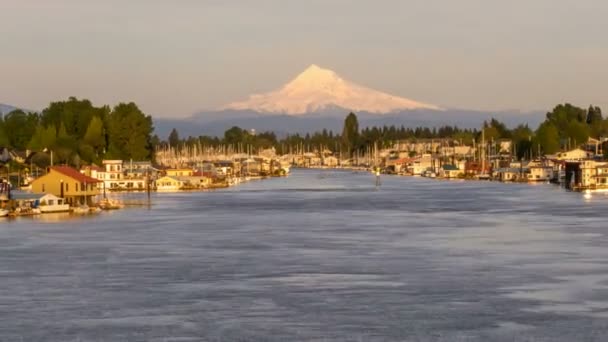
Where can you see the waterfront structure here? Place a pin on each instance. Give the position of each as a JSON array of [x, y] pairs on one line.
[[586, 175], [538, 171], [138, 169], [509, 174], [113, 170], [68, 183], [576, 154], [181, 172], [224, 168], [421, 164], [449, 171], [170, 183], [116, 176], [251, 167], [173, 183]]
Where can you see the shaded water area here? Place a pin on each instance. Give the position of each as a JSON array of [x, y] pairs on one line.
[[316, 256]]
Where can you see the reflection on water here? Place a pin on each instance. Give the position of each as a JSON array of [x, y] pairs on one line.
[[319, 255]]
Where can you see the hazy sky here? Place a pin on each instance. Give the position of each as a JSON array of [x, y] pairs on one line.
[[176, 57]]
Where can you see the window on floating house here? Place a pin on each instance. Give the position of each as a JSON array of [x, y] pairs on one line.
[[76, 185], [67, 187], [43, 187]]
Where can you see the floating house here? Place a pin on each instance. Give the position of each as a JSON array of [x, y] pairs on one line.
[[169, 183], [115, 176], [449, 171], [68, 183], [576, 154], [586, 175]]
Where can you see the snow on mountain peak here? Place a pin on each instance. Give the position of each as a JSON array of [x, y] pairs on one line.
[[317, 89]]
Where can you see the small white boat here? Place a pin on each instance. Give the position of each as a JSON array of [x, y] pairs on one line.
[[3, 213], [81, 210]]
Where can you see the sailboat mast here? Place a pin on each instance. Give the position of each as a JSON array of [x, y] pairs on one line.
[[483, 148]]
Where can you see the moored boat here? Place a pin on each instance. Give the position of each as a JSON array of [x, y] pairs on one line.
[[53, 204], [85, 209], [108, 204]]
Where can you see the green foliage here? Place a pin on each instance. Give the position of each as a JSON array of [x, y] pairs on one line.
[[78, 132], [66, 146], [350, 133], [74, 114], [4, 141], [129, 133], [94, 139], [562, 115], [522, 139], [19, 128], [577, 132], [44, 138], [174, 138], [235, 135], [594, 115], [547, 137]]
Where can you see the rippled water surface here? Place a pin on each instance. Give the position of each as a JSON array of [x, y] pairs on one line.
[[317, 256]]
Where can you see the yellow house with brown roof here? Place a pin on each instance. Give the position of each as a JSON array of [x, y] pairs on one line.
[[68, 183]]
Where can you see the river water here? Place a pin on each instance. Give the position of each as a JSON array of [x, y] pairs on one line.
[[316, 256]]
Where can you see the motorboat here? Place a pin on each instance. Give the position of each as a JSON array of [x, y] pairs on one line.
[[4, 213], [81, 210]]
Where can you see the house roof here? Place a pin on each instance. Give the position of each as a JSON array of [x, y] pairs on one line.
[[74, 174], [26, 196], [93, 168]]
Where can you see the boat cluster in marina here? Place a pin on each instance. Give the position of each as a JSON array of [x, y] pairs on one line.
[[580, 169], [84, 191]]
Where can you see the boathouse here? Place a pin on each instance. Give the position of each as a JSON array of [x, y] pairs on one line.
[[68, 183]]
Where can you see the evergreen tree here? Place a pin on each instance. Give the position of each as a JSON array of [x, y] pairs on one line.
[[174, 138], [350, 133]]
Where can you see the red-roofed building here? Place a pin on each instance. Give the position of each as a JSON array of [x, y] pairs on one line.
[[68, 183]]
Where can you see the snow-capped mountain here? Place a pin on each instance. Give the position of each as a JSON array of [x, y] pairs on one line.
[[317, 89], [5, 109]]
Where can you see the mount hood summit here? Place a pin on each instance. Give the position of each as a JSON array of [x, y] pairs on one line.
[[316, 90]]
